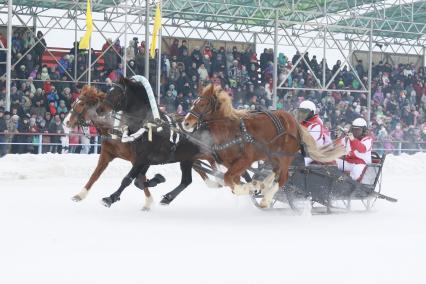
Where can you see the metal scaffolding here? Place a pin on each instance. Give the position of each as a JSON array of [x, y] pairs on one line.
[[397, 26]]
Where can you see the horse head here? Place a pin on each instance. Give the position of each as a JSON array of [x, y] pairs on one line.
[[213, 103], [86, 108], [134, 97]]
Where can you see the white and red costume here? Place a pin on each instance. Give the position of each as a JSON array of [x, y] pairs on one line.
[[318, 131], [357, 157]]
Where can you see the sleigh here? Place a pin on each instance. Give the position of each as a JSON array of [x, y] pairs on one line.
[[324, 188], [328, 189]]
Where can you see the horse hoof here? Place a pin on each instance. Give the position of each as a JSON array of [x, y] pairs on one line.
[[107, 202], [264, 204], [166, 200], [76, 198], [145, 209]]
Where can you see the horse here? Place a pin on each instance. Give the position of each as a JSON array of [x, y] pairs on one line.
[[242, 137], [134, 98], [85, 109]]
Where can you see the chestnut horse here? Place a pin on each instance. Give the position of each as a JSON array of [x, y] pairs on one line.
[[241, 138]]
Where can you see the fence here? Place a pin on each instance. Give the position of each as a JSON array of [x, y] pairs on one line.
[[398, 147], [40, 144]]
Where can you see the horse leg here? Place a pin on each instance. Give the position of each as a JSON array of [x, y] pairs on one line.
[[127, 180], [232, 177], [186, 168], [103, 162], [272, 186], [140, 183]]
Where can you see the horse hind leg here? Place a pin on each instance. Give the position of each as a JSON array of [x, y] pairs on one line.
[[186, 168], [272, 185], [269, 188]]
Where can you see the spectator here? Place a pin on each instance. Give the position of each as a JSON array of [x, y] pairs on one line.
[[12, 129], [130, 51], [202, 73], [62, 108], [56, 128], [183, 49], [3, 129], [39, 48], [23, 129], [174, 49]]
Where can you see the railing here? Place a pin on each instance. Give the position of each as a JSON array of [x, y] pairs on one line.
[[40, 144], [399, 147]]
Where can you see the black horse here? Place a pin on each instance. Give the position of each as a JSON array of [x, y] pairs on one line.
[[152, 147]]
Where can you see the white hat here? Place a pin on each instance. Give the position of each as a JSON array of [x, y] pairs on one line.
[[308, 105], [359, 122]]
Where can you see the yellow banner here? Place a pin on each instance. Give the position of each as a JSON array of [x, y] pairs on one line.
[[157, 27], [84, 42]]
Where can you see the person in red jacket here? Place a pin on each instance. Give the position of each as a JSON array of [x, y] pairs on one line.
[[358, 148], [306, 115]]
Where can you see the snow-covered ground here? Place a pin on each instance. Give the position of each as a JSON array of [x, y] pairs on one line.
[[205, 236]]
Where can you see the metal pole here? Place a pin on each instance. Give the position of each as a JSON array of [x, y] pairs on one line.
[[40, 143], [324, 61], [147, 40], [275, 75], [89, 75], [370, 69], [96, 145], [9, 53], [159, 61], [124, 64], [34, 21], [255, 42], [75, 47]]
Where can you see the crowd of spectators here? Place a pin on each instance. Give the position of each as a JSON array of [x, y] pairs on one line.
[[41, 94]]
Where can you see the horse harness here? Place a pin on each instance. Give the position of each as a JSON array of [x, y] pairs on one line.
[[247, 138]]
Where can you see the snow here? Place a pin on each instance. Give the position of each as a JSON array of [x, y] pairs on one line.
[[205, 236]]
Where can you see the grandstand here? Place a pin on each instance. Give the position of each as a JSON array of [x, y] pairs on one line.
[[373, 40]]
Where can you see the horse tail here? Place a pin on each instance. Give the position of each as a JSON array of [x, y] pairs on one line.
[[323, 154]]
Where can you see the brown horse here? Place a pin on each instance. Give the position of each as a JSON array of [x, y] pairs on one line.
[[241, 138], [90, 107]]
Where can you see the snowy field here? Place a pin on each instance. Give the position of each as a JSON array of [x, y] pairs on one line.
[[205, 236]]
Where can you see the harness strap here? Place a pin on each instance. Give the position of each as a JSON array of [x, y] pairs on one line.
[[275, 120], [244, 138]]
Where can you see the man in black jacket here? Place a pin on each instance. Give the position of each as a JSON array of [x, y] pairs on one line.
[[3, 128]]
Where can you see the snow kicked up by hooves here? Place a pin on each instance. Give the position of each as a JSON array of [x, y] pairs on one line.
[[206, 235]]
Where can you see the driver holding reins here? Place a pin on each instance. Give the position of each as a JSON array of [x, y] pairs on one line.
[[306, 115], [358, 148]]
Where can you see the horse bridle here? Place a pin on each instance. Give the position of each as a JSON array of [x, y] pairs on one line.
[[122, 97], [212, 106], [80, 120]]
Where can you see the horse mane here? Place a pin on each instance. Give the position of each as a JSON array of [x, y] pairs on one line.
[[137, 87], [225, 103], [91, 95]]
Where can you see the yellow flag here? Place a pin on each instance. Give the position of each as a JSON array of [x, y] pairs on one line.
[[157, 26], [84, 42]]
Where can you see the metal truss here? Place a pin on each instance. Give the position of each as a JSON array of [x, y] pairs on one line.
[[397, 26]]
